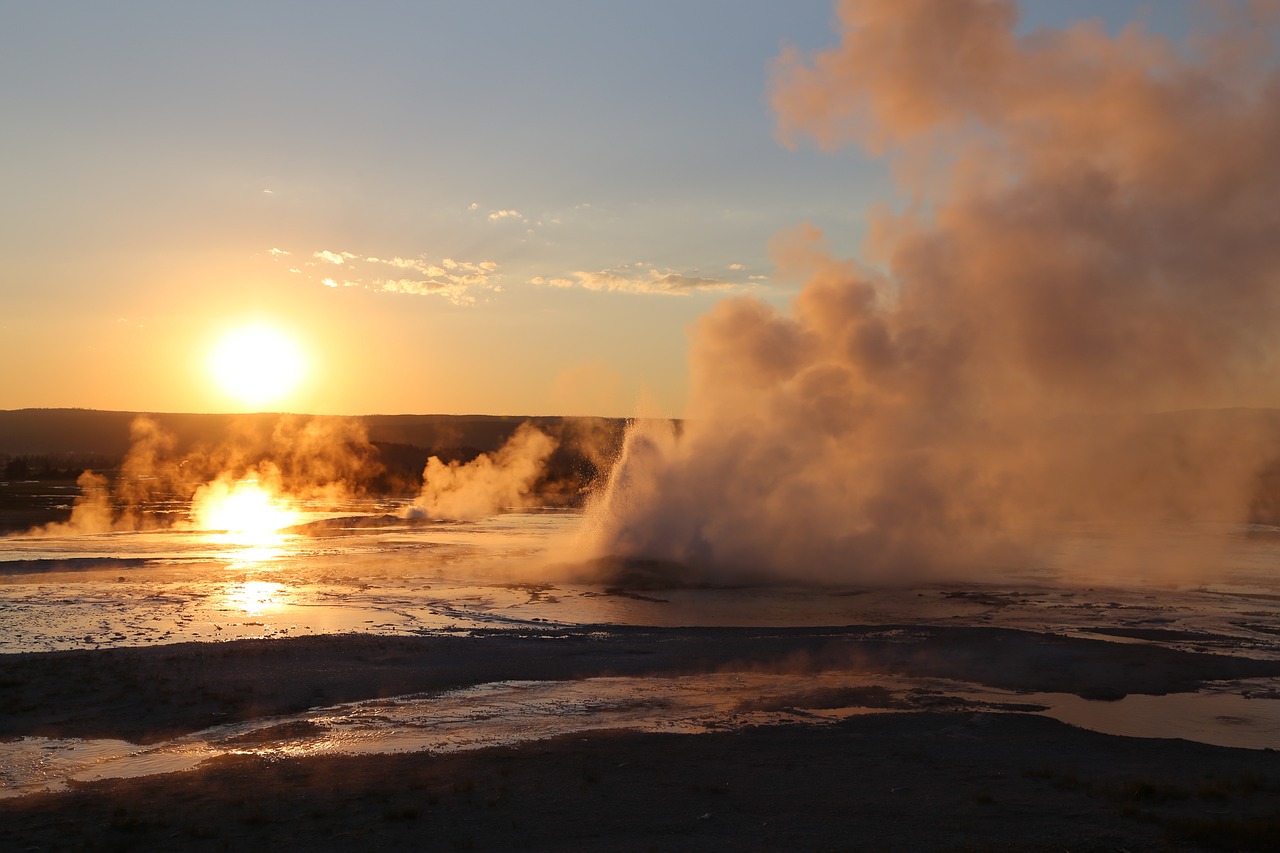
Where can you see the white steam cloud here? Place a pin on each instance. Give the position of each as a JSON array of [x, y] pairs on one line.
[[490, 483], [1095, 240], [315, 459]]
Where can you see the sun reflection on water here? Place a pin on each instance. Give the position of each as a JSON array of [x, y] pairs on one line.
[[242, 555], [256, 597]]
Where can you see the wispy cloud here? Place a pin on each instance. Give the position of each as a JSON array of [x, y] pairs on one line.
[[498, 215], [456, 292], [637, 281], [457, 281]]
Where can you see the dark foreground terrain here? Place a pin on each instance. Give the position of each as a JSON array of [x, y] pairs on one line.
[[953, 779], [933, 781]]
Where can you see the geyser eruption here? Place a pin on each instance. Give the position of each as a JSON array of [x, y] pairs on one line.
[[1093, 240]]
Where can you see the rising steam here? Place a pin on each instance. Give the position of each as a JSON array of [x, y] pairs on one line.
[[1094, 239], [252, 471], [490, 483]]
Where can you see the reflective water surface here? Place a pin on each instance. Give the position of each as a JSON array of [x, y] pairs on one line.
[[368, 570], [511, 712], [375, 573]]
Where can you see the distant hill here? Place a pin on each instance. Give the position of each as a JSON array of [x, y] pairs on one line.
[[89, 432], [1215, 465], [58, 444], [1185, 465], [47, 446]]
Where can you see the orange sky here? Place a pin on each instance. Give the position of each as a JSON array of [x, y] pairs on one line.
[[522, 218]]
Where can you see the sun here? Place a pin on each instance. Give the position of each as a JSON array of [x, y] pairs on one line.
[[257, 364], [242, 512]]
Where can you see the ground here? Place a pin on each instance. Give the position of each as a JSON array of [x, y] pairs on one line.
[[956, 779]]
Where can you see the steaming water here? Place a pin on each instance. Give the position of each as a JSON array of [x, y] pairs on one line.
[[373, 573]]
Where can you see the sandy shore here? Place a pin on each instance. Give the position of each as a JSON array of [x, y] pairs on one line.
[[964, 779]]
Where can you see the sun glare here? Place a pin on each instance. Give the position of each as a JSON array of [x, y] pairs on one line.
[[257, 364], [256, 597], [245, 511]]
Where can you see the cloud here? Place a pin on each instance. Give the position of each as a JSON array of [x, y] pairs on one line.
[[417, 264], [498, 215], [637, 281], [455, 292], [453, 280]]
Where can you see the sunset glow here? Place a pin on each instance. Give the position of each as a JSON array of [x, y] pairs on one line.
[[245, 510], [255, 597], [257, 365], [830, 424]]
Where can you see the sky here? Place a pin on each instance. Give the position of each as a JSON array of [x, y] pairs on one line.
[[494, 206]]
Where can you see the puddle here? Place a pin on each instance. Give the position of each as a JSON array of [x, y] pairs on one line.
[[513, 712], [1217, 718], [36, 764]]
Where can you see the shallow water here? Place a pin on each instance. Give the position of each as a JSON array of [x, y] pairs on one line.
[[513, 712], [372, 573], [366, 571]]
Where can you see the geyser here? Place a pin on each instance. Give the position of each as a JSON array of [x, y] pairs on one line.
[[1092, 239]]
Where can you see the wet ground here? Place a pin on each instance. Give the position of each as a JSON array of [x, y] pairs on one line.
[[1172, 636], [507, 713], [1207, 589]]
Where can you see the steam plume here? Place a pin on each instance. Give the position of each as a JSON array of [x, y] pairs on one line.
[[157, 487], [489, 483], [1093, 240]]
